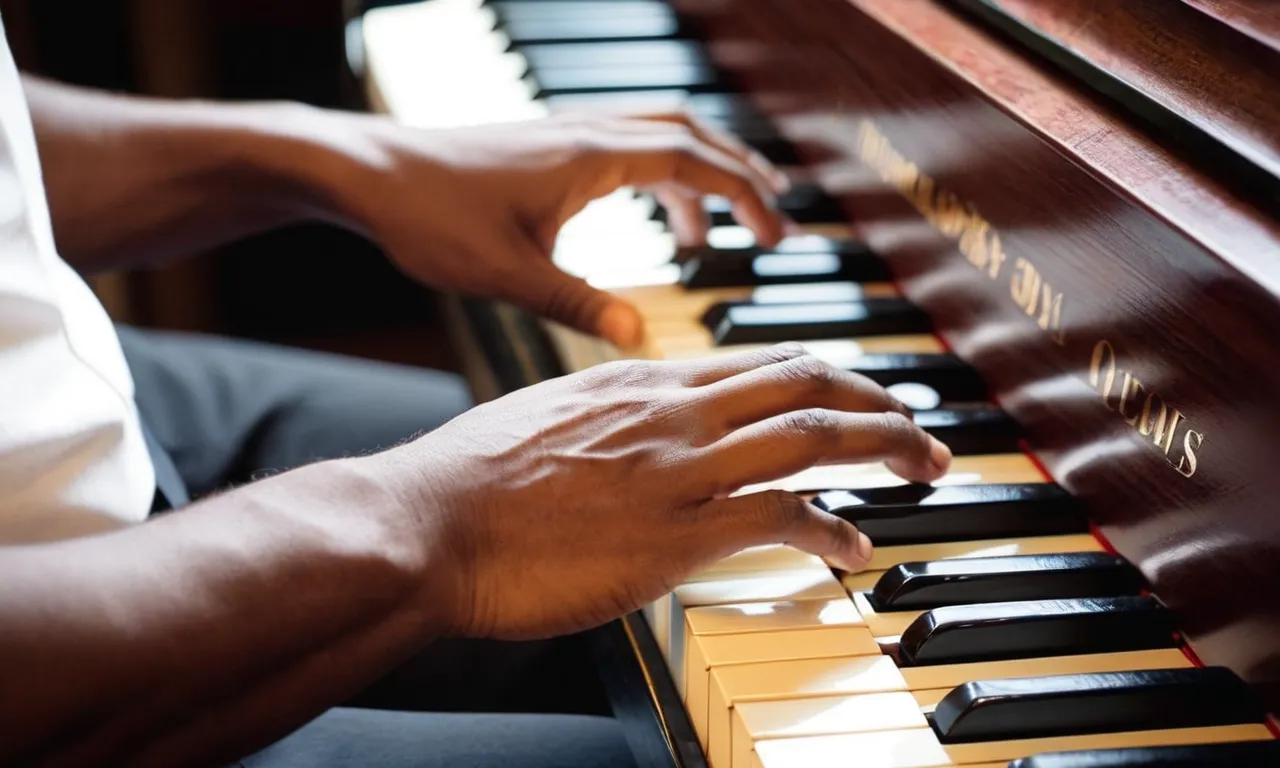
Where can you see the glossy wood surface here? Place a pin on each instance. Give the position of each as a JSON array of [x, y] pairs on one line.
[[1170, 64], [1259, 19], [1177, 274]]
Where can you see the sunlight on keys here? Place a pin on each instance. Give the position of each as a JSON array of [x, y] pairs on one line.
[[730, 237], [666, 274]]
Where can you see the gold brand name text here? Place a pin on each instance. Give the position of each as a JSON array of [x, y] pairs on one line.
[[1167, 429]]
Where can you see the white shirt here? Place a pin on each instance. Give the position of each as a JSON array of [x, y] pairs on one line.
[[73, 460]]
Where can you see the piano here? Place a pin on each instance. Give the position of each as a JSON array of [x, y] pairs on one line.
[[1052, 228]]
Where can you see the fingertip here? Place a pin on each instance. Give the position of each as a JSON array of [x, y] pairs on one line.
[[857, 559], [939, 455], [621, 324], [768, 226]]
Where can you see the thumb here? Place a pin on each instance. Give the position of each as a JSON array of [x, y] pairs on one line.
[[779, 517], [546, 290]]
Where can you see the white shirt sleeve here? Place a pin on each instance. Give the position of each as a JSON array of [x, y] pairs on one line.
[[73, 460]]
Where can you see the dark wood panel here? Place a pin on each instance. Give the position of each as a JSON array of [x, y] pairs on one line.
[[1259, 19], [1168, 273], [1203, 85]]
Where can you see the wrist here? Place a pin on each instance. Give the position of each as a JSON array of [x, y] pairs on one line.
[[317, 164], [409, 528]]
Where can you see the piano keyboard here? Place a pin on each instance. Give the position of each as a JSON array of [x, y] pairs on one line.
[[991, 628]]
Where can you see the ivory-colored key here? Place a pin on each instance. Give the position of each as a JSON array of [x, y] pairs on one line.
[[806, 585], [763, 559], [707, 652], [929, 697], [935, 682], [860, 581], [883, 624], [920, 748], [951, 675], [775, 681], [744, 618], [755, 721]]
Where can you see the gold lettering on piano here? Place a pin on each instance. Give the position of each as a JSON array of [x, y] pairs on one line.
[[961, 221], [1034, 294], [1153, 418]]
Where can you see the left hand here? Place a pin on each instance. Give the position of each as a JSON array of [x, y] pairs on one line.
[[477, 210]]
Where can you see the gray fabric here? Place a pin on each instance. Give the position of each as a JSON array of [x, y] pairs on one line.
[[229, 410], [351, 738]]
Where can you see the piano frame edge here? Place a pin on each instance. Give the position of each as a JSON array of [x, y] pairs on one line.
[[510, 349]]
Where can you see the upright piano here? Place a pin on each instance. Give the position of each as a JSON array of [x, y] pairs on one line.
[[1053, 228]]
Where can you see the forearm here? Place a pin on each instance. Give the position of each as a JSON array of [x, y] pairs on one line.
[[206, 634], [133, 181]]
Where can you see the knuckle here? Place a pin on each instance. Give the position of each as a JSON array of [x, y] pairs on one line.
[[783, 509], [627, 372], [811, 423], [811, 371], [899, 429], [780, 353]]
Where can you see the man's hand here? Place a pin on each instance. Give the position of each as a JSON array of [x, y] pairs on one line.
[[578, 500], [218, 630], [478, 210], [472, 210]]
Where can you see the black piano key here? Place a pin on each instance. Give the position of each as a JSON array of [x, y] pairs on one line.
[[803, 204], [1036, 707], [518, 10], [773, 323], [638, 77], [724, 108], [972, 429], [522, 32], [922, 514], [789, 293], [922, 585], [795, 244], [1241, 754], [953, 379], [615, 55], [783, 269], [962, 634]]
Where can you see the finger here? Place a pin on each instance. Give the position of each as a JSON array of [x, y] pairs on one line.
[[545, 290], [778, 517], [783, 445], [794, 384], [686, 216], [732, 145], [664, 158], [705, 371]]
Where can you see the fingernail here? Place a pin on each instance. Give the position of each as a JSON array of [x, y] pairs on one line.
[[939, 454]]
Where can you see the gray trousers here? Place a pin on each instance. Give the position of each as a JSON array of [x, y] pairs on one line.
[[228, 411]]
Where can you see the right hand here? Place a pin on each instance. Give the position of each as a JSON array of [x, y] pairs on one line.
[[573, 502]]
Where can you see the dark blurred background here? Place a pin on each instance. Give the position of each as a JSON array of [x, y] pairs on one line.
[[311, 286]]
